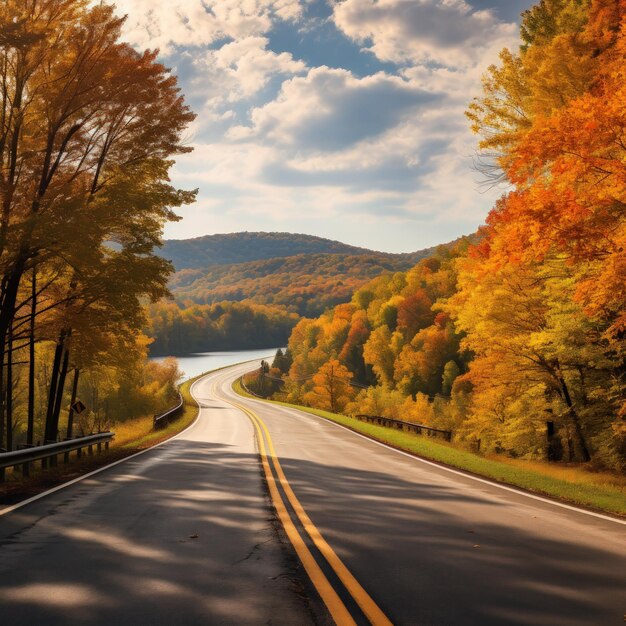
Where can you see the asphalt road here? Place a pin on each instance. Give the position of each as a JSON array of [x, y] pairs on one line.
[[426, 545], [182, 534]]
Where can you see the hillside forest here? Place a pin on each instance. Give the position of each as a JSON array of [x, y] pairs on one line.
[[495, 338], [242, 247], [236, 302], [89, 129]]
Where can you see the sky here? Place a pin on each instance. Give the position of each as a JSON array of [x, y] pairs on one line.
[[342, 119]]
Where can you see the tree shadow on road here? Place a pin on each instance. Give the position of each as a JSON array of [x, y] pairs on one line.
[[183, 535]]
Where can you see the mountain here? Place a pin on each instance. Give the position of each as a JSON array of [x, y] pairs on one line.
[[306, 284], [243, 247], [232, 290]]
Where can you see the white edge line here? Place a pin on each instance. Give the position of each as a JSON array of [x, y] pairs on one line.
[[492, 483], [19, 505]]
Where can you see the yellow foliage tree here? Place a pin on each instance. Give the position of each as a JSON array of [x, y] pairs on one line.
[[331, 387], [418, 411]]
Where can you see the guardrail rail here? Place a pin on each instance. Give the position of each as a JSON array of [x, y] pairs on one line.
[[410, 427], [163, 419], [245, 388], [49, 452]]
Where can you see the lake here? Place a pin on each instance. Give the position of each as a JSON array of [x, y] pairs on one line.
[[198, 363]]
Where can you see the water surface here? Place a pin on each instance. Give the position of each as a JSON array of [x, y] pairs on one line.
[[200, 362]]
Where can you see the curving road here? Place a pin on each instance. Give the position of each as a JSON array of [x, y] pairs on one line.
[[184, 534]]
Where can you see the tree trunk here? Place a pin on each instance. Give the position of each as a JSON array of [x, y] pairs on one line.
[[60, 388], [8, 298], [570, 443], [50, 430], [573, 415], [9, 392], [70, 415], [30, 434]]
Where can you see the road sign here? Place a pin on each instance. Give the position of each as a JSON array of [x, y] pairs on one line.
[[78, 407]]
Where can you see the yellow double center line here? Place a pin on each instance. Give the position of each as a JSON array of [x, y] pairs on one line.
[[333, 602]]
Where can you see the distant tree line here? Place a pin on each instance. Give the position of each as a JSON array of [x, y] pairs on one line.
[[179, 330], [242, 247]]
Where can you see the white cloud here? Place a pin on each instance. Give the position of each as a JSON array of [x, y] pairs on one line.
[[281, 145], [331, 109], [447, 32], [240, 69], [414, 168], [381, 145], [162, 25]]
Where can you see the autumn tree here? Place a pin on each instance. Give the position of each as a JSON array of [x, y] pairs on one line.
[[419, 368], [352, 351], [451, 372], [331, 387], [415, 312], [536, 348], [553, 117], [380, 351], [88, 129]]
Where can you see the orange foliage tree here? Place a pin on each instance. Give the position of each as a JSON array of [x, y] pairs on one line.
[[553, 120]]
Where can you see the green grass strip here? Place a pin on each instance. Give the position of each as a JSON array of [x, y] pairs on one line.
[[608, 498]]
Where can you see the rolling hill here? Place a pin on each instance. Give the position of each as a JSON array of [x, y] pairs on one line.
[[243, 247], [232, 290], [306, 284]]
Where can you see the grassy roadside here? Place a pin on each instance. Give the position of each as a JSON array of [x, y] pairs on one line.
[[130, 437], [595, 490], [136, 435]]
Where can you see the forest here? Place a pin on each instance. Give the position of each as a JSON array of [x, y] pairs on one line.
[[495, 338], [306, 284], [265, 273], [89, 129], [221, 326]]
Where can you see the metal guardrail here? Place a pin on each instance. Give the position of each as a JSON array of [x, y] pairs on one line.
[[163, 419], [411, 427], [245, 388], [50, 451]]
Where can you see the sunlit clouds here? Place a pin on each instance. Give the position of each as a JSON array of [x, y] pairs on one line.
[[446, 32], [342, 119], [186, 23]]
